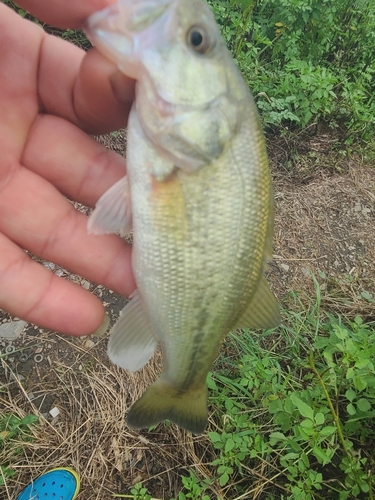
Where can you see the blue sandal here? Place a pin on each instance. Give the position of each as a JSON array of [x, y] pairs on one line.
[[57, 484]]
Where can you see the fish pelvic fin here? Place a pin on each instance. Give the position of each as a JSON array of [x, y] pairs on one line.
[[162, 401], [132, 341]]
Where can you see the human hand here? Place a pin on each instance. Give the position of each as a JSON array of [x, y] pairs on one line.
[[51, 96]]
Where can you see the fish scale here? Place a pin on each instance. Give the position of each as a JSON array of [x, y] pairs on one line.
[[199, 193]]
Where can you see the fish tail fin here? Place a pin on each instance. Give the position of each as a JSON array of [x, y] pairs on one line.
[[162, 401]]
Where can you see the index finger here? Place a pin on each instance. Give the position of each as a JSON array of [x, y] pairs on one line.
[[85, 89], [63, 14]]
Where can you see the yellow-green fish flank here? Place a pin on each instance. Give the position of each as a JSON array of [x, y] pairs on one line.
[[198, 195]]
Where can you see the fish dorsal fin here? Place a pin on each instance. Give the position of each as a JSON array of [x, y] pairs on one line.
[[132, 341], [263, 311], [112, 212]]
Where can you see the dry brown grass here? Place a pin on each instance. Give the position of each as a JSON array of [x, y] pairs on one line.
[[90, 434]]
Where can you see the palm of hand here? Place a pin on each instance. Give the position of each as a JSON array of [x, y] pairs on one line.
[[50, 93]]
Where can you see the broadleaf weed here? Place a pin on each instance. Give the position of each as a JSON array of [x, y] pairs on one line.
[[305, 61], [301, 400], [15, 432]]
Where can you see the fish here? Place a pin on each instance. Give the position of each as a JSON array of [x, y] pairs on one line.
[[198, 196]]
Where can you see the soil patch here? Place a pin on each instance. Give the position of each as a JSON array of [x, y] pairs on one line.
[[324, 224]]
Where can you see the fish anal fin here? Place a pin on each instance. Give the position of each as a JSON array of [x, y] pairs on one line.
[[263, 311], [162, 401], [132, 341], [112, 212]]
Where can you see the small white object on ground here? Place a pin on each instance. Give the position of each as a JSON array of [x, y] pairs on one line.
[[54, 412], [12, 330]]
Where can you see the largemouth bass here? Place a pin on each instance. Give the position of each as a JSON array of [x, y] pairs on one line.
[[198, 196]]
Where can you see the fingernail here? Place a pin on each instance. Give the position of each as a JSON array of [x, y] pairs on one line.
[[99, 332]]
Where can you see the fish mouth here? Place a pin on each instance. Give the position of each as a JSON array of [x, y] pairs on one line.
[[124, 29]]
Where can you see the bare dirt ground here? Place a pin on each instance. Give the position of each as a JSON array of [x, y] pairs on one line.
[[325, 215], [324, 224]]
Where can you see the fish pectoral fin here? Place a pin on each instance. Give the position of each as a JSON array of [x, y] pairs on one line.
[[263, 311], [132, 341], [162, 401], [112, 212]]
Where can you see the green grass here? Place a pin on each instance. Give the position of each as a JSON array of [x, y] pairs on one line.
[[15, 432], [298, 405], [292, 412]]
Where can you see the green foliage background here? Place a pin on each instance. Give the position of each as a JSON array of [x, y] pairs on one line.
[[306, 60]]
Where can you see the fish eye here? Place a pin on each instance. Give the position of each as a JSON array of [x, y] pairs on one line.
[[200, 40]]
